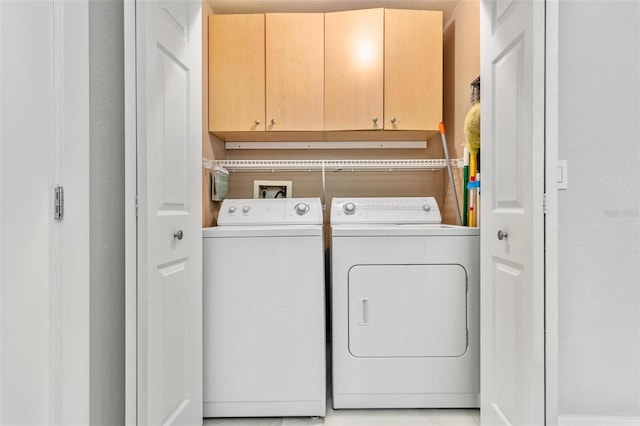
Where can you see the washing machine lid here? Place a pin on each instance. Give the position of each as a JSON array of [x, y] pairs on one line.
[[270, 211], [385, 210]]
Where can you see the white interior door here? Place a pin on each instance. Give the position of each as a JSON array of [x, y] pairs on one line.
[[169, 109], [512, 295]]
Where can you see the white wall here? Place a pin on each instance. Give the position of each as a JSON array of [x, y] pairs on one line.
[[44, 263], [599, 215], [26, 170]]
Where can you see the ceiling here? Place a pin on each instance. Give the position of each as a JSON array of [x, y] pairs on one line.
[[271, 6]]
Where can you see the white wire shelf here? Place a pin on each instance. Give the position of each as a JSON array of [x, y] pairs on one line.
[[330, 165]]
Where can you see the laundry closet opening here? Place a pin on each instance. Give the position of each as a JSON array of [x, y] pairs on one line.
[[321, 133]]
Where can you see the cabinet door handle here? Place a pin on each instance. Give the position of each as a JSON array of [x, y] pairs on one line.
[[257, 122], [393, 120], [375, 119], [273, 121]]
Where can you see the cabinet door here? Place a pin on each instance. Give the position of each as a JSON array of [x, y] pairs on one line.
[[295, 71], [413, 69], [354, 70], [236, 72]]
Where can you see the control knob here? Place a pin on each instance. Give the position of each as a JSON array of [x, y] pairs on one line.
[[232, 209], [426, 208], [246, 209], [349, 208], [302, 208]]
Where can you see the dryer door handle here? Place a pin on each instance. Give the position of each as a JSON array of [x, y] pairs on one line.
[[363, 311]]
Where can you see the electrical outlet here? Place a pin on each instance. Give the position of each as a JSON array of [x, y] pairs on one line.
[[272, 189]]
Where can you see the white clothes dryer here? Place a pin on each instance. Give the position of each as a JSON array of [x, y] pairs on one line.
[[264, 311], [405, 306]]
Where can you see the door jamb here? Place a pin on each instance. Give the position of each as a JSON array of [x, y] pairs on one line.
[[551, 216], [131, 240], [551, 212]]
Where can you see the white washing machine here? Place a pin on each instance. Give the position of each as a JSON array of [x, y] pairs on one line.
[[264, 310], [405, 306]]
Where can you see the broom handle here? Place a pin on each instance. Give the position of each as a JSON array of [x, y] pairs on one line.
[[465, 191], [451, 183]]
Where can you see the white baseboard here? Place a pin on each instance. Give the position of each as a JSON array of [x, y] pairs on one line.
[[575, 420]]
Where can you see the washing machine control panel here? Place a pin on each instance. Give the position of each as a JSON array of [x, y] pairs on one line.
[[273, 211], [385, 210]]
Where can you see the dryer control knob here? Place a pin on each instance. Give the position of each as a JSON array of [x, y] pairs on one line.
[[246, 209], [302, 208], [426, 208], [232, 209], [349, 208]]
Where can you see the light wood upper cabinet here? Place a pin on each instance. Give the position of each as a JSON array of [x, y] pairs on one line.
[[383, 70], [295, 71], [372, 69], [236, 72], [412, 70], [354, 43]]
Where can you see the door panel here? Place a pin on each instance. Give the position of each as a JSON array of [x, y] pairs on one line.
[[170, 252], [174, 78], [512, 310], [501, 7], [505, 323], [433, 318], [354, 61], [295, 71], [178, 16], [412, 69], [173, 337], [508, 71], [236, 73]]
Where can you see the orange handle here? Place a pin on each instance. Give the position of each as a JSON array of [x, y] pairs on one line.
[[473, 165], [441, 128]]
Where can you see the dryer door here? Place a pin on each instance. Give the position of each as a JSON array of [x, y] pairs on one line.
[[407, 310]]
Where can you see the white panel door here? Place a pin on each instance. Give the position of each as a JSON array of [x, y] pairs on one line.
[[169, 109], [512, 295]]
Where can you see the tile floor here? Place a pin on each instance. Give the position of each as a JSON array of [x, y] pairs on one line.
[[404, 417], [377, 417]]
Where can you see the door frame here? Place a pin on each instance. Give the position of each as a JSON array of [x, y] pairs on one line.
[[551, 217], [131, 226], [551, 212]]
